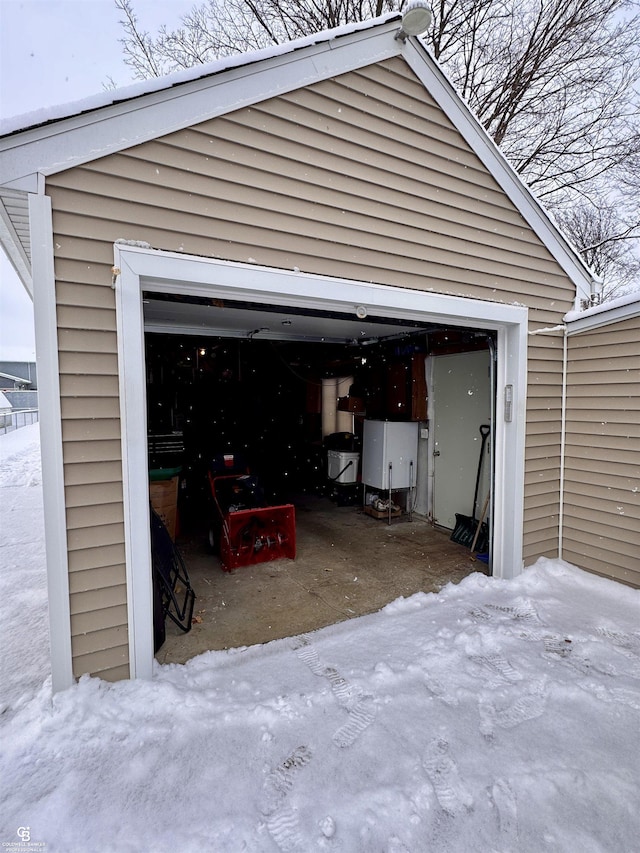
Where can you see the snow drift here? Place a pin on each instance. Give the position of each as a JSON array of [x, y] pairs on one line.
[[493, 716]]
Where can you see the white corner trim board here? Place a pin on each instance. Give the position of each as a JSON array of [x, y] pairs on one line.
[[55, 522], [137, 269]]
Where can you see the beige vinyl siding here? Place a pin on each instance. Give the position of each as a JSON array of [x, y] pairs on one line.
[[543, 447], [93, 476], [360, 177], [602, 470]]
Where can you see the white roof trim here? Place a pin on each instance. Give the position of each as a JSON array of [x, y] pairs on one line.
[[251, 78], [625, 308], [14, 249]]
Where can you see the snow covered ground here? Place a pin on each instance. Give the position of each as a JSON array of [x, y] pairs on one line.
[[494, 716]]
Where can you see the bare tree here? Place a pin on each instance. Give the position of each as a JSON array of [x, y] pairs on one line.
[[606, 245], [556, 83], [218, 28]]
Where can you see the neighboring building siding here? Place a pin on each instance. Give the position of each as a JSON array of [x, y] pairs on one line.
[[360, 177], [602, 469], [24, 369]]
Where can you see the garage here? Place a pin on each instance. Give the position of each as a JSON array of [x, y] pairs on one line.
[[289, 216], [294, 398]]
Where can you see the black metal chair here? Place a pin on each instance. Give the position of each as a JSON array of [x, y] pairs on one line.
[[169, 575]]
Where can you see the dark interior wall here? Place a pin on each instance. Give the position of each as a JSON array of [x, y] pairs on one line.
[[261, 399]]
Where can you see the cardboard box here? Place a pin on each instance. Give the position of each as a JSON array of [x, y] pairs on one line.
[[164, 499], [376, 513], [351, 404]]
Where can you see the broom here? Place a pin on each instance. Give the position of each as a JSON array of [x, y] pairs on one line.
[[466, 526]]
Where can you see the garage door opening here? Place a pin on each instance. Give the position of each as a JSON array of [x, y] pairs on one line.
[[300, 398], [330, 306]]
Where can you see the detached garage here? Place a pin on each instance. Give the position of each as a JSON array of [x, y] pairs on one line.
[[329, 211]]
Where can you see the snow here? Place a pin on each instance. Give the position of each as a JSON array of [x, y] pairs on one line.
[[629, 299], [493, 716]]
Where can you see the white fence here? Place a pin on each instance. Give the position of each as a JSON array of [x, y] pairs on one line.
[[11, 419]]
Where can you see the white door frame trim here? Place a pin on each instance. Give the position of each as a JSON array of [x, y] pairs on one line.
[[137, 269]]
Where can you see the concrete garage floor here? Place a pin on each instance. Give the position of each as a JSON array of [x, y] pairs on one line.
[[347, 564]]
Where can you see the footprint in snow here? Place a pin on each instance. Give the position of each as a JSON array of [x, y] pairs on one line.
[[438, 689], [586, 666], [504, 800], [497, 665], [281, 820], [344, 693], [361, 708], [627, 645], [443, 774], [480, 615], [284, 828], [525, 707], [626, 697], [522, 610], [280, 781], [560, 646], [623, 641], [308, 655], [360, 718]]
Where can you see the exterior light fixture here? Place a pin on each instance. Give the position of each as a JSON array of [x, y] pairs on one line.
[[416, 18]]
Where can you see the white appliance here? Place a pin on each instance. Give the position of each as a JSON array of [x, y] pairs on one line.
[[342, 466], [390, 454]]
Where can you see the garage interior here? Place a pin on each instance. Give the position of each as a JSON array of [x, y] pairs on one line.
[[287, 394]]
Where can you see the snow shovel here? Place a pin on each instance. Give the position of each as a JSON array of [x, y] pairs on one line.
[[481, 537], [466, 526]]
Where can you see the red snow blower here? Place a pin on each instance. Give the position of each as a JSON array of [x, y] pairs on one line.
[[244, 530]]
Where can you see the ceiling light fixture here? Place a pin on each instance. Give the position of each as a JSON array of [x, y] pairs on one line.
[[416, 18]]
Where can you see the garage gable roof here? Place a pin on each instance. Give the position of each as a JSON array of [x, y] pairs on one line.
[[78, 133]]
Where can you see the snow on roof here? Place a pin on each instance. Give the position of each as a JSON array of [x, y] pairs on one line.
[[56, 112], [611, 305]]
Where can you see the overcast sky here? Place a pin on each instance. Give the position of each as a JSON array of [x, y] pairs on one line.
[[53, 52]]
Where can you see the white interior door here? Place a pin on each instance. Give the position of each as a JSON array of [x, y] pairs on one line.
[[460, 398]]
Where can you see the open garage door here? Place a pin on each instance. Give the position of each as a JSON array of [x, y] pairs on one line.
[[314, 327], [295, 412]]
